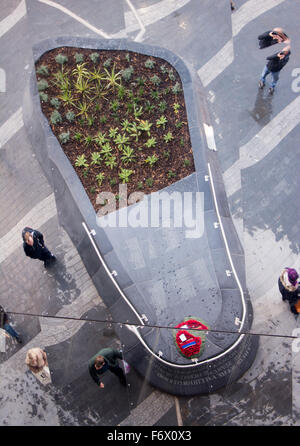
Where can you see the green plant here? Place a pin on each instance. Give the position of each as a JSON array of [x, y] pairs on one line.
[[107, 63], [151, 142], [103, 119], [125, 125], [137, 111], [166, 154], [100, 138], [124, 175], [61, 80], [127, 73], [145, 126], [81, 161], [79, 57], [149, 63], [112, 181], [121, 92], [171, 174], [90, 120], [83, 87], [61, 59], [162, 121], [85, 172], [111, 162], [182, 143], [113, 132], [155, 94], [171, 74], [127, 155], [78, 136], [83, 109], [43, 96], [151, 160], [127, 57], [70, 116], [115, 105], [121, 140], [67, 97], [163, 69], [176, 107], [55, 102], [106, 151], [134, 131], [112, 78], [92, 189], [140, 81], [42, 85], [156, 80], [186, 163], [176, 88], [94, 57], [43, 70], [168, 137], [162, 106], [80, 71], [64, 137], [100, 177], [179, 124], [149, 107], [149, 182], [87, 140], [140, 92], [55, 117], [140, 185]]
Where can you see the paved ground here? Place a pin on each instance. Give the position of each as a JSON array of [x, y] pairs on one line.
[[256, 138]]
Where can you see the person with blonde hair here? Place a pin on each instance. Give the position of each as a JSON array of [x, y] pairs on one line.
[[277, 35], [36, 359]]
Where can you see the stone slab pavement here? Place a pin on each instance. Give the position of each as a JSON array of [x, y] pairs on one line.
[[222, 48]]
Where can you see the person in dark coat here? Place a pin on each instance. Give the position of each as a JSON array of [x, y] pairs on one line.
[[34, 246], [277, 35], [7, 327], [274, 66], [106, 359], [289, 287]]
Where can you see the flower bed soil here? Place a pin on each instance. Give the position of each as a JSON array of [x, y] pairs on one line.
[[175, 158]]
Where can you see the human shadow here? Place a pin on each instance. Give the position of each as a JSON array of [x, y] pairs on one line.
[[262, 111]]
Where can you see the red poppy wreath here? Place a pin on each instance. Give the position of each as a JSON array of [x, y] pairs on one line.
[[188, 340]]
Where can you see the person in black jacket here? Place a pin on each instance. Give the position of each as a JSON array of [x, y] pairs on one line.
[[277, 35], [34, 246], [274, 66], [7, 327], [106, 359]]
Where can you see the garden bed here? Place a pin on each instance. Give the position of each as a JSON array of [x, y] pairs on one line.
[[119, 116]]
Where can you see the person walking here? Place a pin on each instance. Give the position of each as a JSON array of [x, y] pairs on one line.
[[106, 359], [7, 327], [34, 246], [274, 66], [277, 35], [289, 287]]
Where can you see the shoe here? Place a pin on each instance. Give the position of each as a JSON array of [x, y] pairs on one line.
[[19, 339], [261, 84], [271, 90]]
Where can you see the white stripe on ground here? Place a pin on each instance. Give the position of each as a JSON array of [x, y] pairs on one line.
[[76, 17], [217, 64], [152, 14], [35, 218], [250, 11], [240, 18], [150, 410], [11, 126], [13, 18], [262, 144], [139, 37]]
